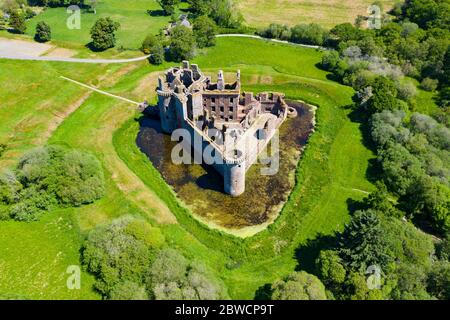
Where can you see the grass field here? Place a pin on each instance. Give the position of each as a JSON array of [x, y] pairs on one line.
[[260, 13], [133, 17], [332, 170]]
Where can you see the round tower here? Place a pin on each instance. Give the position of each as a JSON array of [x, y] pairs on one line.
[[234, 173], [165, 111]]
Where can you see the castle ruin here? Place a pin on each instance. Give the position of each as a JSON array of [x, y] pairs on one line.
[[233, 127]]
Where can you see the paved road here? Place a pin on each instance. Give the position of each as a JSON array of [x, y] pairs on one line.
[[9, 55]]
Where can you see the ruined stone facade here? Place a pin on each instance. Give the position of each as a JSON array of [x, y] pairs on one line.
[[232, 128]]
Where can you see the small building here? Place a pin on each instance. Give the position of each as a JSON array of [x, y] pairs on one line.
[[182, 21]]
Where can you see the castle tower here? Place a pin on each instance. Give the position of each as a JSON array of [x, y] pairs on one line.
[[166, 112], [234, 173], [220, 81]]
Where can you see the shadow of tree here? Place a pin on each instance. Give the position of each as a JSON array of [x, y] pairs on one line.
[[357, 115], [307, 254], [157, 13], [264, 292]]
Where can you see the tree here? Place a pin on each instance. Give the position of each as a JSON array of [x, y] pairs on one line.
[[204, 31], [181, 44], [444, 97], [43, 32], [17, 22], [128, 290], [384, 96], [330, 60], [438, 282], [157, 54], [48, 177], [345, 32], [168, 6], [149, 42], [224, 13], [406, 91], [378, 200], [363, 243], [152, 45], [119, 253], [308, 33], [172, 276], [299, 286], [200, 7], [432, 199], [329, 267], [277, 31], [443, 249], [429, 84], [103, 33]]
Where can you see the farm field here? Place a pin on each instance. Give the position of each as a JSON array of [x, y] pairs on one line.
[[259, 13], [134, 187]]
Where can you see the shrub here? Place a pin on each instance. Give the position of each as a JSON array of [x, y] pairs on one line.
[[43, 32], [17, 22], [128, 290], [50, 176], [429, 84], [149, 42], [311, 33], [276, 31], [330, 268], [439, 281], [103, 33], [406, 91], [116, 253], [330, 60], [174, 277], [298, 286]]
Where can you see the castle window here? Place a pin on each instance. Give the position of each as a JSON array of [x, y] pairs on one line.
[[213, 109], [221, 109], [231, 100], [230, 109], [213, 100]]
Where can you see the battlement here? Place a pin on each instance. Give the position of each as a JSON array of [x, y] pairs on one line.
[[245, 122]]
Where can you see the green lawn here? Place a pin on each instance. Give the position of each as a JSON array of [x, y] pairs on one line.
[[132, 15], [332, 170], [34, 258]]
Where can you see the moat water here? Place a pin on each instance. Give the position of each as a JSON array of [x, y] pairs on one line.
[[201, 187]]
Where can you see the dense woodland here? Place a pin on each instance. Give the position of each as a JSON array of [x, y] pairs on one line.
[[132, 260]]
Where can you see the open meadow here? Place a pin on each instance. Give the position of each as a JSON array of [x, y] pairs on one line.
[[327, 13]]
